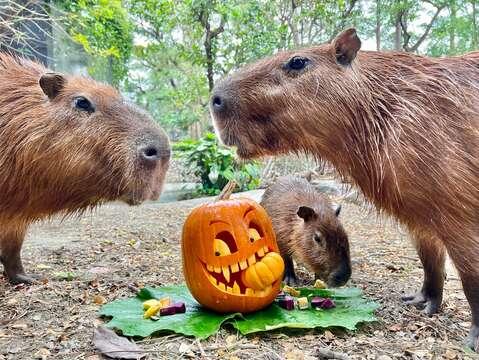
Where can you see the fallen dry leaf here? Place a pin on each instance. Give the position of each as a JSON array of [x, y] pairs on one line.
[[99, 300], [108, 343]]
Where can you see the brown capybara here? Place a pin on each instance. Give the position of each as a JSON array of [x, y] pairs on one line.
[[403, 128], [308, 229], [67, 144]]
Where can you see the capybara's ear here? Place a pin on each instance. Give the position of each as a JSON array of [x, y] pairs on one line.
[[345, 46], [337, 211], [52, 83], [306, 213]]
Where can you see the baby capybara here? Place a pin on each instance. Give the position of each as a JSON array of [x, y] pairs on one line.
[[403, 128], [67, 144], [307, 229]]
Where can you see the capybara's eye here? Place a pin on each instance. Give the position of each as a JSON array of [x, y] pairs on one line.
[[82, 103], [318, 239], [297, 63]]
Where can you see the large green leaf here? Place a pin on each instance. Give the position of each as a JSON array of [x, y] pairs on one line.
[[197, 321], [351, 309], [127, 314]]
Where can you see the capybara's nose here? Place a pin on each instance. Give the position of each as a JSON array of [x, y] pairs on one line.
[[340, 276], [152, 152]]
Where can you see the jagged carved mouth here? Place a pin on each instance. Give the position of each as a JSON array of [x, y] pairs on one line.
[[230, 279]]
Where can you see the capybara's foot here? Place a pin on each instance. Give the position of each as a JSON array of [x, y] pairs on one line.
[[472, 340], [431, 304], [23, 278], [290, 279]]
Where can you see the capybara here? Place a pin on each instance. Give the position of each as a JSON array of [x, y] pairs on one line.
[[308, 229], [404, 128], [68, 144]]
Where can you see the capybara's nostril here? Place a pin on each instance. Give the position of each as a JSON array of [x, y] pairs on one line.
[[218, 103], [153, 152], [150, 152]]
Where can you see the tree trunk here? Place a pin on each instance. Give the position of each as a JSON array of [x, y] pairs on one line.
[[398, 33], [474, 25], [378, 25], [209, 60], [204, 18], [452, 27]]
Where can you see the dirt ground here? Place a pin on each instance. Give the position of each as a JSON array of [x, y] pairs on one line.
[[102, 255]]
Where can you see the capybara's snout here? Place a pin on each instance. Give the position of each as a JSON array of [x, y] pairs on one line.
[[341, 274]]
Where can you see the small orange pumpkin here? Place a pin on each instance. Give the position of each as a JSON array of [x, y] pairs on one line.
[[231, 260]]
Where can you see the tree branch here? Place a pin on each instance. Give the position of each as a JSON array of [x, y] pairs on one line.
[[426, 31]]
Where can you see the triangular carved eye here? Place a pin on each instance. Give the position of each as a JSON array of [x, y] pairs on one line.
[[224, 244]]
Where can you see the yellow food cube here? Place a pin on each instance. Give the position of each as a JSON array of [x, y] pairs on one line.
[[291, 291], [303, 303], [320, 284], [149, 303]]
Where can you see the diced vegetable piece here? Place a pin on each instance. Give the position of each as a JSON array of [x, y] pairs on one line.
[[165, 302], [322, 303], [291, 291], [170, 310], [152, 310], [303, 303], [149, 303], [179, 307], [286, 302], [320, 284]]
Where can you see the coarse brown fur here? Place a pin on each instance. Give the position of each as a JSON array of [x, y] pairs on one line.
[[403, 128], [55, 157], [308, 229]]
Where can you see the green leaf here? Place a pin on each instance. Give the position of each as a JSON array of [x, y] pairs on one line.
[[127, 314], [197, 321]]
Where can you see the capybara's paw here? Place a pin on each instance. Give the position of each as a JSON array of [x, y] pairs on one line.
[[23, 278], [472, 340], [430, 304]]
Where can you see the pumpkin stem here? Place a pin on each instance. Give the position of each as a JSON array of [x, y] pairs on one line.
[[227, 191]]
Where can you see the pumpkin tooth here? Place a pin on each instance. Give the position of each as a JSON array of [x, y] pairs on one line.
[[243, 265], [222, 286], [226, 273], [260, 252], [229, 289], [265, 248], [236, 288], [234, 268], [249, 292], [217, 269], [209, 267], [251, 259]]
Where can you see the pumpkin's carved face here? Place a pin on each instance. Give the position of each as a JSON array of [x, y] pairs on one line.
[[230, 256]]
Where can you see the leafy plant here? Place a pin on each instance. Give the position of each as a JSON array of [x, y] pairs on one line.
[[215, 165], [127, 314]]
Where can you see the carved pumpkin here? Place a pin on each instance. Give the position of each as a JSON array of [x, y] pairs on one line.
[[231, 261]]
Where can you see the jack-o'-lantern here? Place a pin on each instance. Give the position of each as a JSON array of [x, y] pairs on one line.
[[231, 260]]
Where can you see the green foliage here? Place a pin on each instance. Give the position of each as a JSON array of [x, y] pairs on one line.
[[215, 165], [127, 314], [104, 30]]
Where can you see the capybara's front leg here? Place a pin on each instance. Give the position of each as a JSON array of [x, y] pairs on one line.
[[465, 256], [289, 275], [11, 245], [432, 253]]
